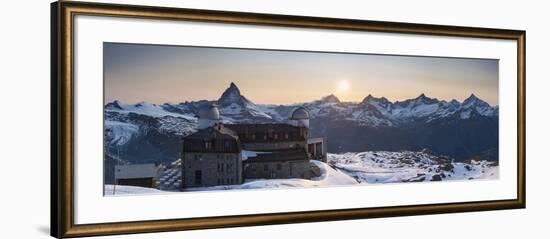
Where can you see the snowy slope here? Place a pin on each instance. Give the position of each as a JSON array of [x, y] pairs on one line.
[[407, 166], [119, 133], [329, 177], [345, 169], [111, 190], [144, 108]]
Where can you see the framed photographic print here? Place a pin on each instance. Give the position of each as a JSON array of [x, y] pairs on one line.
[[172, 119]]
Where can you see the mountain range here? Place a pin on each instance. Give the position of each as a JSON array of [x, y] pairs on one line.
[[146, 132]]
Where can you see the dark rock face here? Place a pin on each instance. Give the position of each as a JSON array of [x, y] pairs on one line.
[[232, 95], [436, 177]]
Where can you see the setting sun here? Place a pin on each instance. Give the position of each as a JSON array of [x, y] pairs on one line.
[[343, 85]]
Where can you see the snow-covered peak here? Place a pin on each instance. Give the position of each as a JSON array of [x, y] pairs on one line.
[[233, 95], [233, 89], [474, 101], [144, 104], [454, 102], [372, 99], [382, 104], [330, 99], [143, 108], [372, 111], [115, 105], [419, 107], [423, 99], [474, 104]]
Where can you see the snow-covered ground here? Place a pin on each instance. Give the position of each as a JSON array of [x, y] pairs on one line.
[[407, 166], [111, 190], [373, 167], [329, 177]]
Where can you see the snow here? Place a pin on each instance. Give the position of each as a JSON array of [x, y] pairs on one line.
[[270, 110], [382, 113], [149, 109], [250, 154], [329, 177], [373, 167], [465, 114], [366, 118], [408, 166], [178, 126], [119, 133], [237, 110], [254, 111], [231, 109], [414, 110], [112, 190]]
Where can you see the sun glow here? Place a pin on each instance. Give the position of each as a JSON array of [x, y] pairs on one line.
[[343, 85]]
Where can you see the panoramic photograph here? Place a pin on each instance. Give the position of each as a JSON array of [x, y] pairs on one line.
[[187, 119]]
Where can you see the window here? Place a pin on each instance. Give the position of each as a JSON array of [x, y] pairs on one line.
[[266, 167], [227, 145], [279, 166], [198, 177], [286, 135], [221, 168]]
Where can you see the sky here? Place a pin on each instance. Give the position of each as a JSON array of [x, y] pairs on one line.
[[159, 74]]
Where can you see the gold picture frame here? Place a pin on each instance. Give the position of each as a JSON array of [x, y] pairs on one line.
[[62, 118]]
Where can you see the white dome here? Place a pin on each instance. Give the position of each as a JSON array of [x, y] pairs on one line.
[[210, 112], [299, 113]]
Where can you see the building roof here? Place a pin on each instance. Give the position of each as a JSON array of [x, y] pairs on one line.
[[266, 132], [135, 171], [210, 112], [315, 140], [280, 155], [299, 114], [281, 127], [213, 133], [217, 139]]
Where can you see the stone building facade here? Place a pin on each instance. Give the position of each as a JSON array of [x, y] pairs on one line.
[[282, 164], [212, 155], [224, 154]]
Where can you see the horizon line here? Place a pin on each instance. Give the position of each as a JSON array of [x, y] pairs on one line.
[[302, 102]]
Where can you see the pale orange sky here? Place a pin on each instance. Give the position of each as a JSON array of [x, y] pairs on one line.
[[160, 74]]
